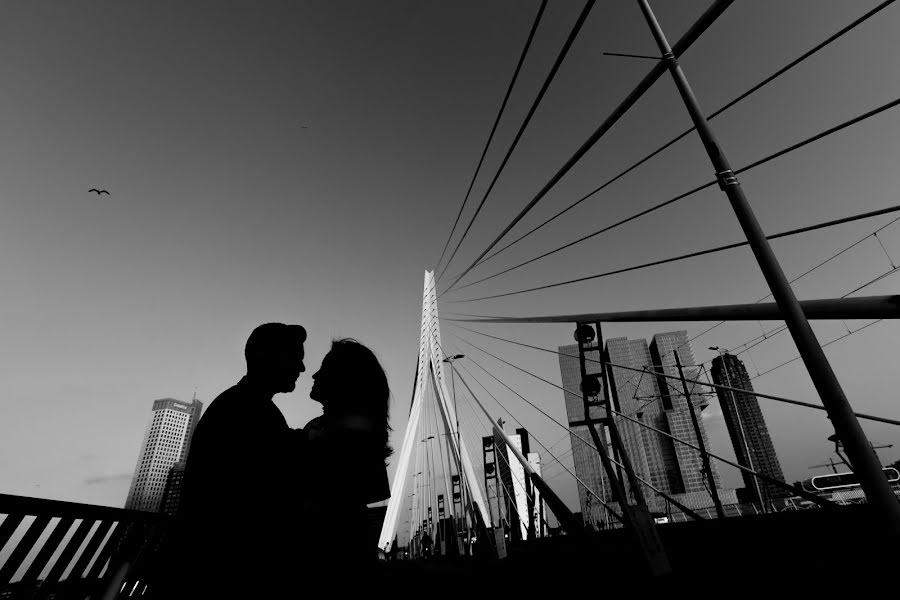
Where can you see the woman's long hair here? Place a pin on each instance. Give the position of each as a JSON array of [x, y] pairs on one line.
[[372, 394]]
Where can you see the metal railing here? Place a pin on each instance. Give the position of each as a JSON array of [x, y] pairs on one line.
[[54, 549]]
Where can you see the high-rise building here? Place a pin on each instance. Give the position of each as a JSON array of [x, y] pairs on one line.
[[166, 441], [747, 428], [689, 473], [587, 463], [641, 393], [171, 499]]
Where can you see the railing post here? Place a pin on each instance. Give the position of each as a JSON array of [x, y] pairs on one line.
[[865, 463]]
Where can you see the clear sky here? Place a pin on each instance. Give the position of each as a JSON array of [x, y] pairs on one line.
[[225, 212]]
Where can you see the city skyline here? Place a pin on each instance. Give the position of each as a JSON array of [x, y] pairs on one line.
[[224, 213]]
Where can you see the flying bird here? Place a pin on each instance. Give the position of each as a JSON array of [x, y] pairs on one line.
[[98, 192]]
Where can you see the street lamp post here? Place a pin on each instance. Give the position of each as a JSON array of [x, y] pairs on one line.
[[462, 477], [740, 424]]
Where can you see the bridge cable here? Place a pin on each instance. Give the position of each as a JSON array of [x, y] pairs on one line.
[[698, 253], [533, 436], [798, 491], [559, 60], [537, 20], [691, 192], [713, 115], [697, 29], [569, 432], [710, 385], [678, 504], [529, 496]]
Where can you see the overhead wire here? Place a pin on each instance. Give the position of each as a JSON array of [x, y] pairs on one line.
[[710, 117], [509, 89], [694, 32], [540, 96], [768, 335], [808, 271]]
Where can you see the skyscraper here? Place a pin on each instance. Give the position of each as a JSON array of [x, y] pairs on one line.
[[587, 463], [747, 428], [171, 499], [641, 393], [677, 414], [166, 441]]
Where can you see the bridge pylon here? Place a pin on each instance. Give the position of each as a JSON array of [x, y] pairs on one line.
[[430, 375]]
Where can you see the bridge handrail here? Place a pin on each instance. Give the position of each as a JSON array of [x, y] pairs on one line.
[[113, 541]]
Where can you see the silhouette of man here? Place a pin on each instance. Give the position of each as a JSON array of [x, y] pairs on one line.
[[238, 483]]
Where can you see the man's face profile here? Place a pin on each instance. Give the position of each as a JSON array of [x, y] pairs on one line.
[[288, 366]]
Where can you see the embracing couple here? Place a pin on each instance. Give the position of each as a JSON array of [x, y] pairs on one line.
[[264, 506]]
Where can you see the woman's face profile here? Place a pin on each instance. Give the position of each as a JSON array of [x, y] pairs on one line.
[[325, 381]]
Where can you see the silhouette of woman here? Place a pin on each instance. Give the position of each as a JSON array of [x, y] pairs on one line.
[[344, 457]]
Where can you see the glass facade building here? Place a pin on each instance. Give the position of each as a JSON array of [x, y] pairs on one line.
[[641, 393], [749, 435], [166, 441]]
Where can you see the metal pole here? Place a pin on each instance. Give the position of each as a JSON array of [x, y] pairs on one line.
[[637, 517], [714, 492], [865, 463]]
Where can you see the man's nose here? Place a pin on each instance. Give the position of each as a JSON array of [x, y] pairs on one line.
[[302, 368]]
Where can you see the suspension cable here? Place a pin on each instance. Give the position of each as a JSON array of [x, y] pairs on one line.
[[713, 115], [509, 89], [559, 60], [699, 188], [711, 385], [798, 491], [696, 30], [675, 502], [588, 489], [655, 263]]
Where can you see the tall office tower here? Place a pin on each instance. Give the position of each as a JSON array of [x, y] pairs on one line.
[[587, 462], [747, 428], [642, 395], [171, 498], [687, 469], [634, 393], [166, 441]]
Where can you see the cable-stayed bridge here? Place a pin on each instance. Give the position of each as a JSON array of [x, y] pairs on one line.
[[469, 485], [626, 492]]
